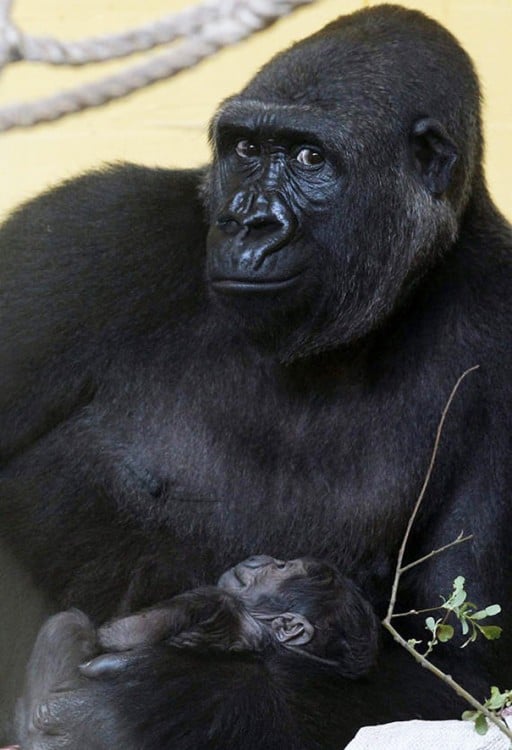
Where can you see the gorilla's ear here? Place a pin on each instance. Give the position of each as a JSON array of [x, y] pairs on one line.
[[434, 154], [292, 629]]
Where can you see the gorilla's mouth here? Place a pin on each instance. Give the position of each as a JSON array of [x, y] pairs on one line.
[[250, 286], [231, 580], [238, 574]]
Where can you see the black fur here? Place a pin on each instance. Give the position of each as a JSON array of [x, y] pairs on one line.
[[242, 616], [157, 424], [243, 700], [260, 605]]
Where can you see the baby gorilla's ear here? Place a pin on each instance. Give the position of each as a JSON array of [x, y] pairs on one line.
[[292, 629]]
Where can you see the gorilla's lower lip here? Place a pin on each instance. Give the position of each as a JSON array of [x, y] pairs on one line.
[[241, 286]]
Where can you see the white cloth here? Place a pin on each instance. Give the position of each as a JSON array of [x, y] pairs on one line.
[[428, 735]]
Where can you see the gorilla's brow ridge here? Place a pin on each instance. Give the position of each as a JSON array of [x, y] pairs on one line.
[[297, 122]]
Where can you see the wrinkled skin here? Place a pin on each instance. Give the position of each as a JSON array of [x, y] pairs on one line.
[[254, 357]]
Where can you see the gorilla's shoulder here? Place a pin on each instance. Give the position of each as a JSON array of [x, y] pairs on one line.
[[114, 197], [114, 224], [99, 249]]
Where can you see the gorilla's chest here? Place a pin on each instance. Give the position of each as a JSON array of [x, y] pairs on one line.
[[242, 460]]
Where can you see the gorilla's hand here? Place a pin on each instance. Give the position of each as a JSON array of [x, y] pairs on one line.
[[60, 708]]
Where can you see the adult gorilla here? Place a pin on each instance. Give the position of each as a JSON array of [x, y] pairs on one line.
[[175, 398]]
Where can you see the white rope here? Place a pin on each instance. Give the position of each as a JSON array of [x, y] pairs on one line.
[[205, 28], [111, 46]]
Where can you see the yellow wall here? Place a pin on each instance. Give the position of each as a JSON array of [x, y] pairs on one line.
[[165, 124]]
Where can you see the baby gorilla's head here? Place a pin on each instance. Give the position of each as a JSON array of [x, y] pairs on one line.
[[308, 606]]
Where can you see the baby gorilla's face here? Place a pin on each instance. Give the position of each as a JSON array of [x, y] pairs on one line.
[[260, 576]]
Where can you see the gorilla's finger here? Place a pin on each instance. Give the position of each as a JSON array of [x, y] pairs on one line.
[[106, 664]]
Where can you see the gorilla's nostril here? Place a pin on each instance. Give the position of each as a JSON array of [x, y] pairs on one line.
[[263, 223], [228, 225]]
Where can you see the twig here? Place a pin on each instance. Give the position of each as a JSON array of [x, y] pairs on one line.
[[401, 553], [448, 679], [461, 538], [416, 612], [400, 568]]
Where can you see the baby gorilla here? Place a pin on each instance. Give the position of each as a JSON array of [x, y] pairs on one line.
[[262, 605]]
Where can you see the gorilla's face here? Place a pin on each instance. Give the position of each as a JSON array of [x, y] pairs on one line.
[[327, 205]]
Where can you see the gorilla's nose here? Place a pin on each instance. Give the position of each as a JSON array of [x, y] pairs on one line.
[[244, 244], [259, 224], [258, 561]]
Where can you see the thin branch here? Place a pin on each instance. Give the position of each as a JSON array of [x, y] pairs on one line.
[[446, 678], [400, 568], [426, 481], [416, 612], [437, 551]]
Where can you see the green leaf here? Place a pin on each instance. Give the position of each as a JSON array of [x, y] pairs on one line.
[[481, 725], [456, 600], [490, 611], [459, 595], [463, 610], [480, 615], [469, 715], [497, 699], [444, 633], [491, 632], [493, 609], [465, 627], [431, 624]]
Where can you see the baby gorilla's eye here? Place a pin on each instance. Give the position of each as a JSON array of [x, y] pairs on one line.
[[245, 149], [309, 157]]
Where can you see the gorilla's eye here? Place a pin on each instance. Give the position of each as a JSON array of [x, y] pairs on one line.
[[245, 149], [309, 157]]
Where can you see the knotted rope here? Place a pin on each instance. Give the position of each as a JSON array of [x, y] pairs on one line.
[[204, 29]]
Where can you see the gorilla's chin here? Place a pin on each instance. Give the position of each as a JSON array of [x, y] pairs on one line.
[[278, 321], [291, 333], [322, 322]]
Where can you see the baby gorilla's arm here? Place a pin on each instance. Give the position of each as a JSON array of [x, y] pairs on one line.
[[166, 620], [203, 618]]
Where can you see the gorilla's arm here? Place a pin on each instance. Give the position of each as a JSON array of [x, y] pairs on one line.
[[58, 708], [280, 702], [84, 269]]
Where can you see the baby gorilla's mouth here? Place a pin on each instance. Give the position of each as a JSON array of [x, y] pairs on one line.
[[238, 572], [232, 580]]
